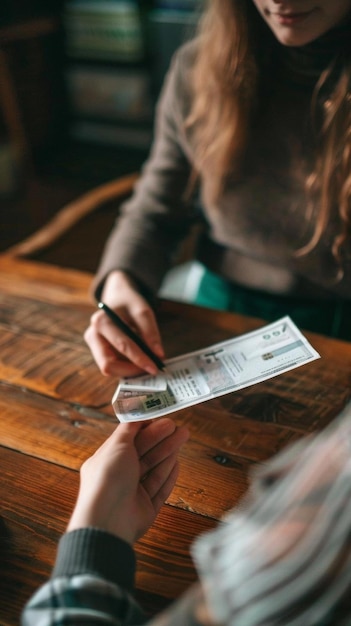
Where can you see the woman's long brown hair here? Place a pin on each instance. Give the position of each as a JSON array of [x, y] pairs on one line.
[[234, 47]]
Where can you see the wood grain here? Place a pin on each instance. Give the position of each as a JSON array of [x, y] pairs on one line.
[[55, 410]]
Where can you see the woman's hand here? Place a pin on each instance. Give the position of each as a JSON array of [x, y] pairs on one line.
[[114, 353], [124, 484]]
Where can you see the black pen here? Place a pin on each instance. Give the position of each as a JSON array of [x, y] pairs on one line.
[[131, 334]]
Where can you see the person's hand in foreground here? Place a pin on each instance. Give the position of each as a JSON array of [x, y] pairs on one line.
[[114, 353], [124, 484]]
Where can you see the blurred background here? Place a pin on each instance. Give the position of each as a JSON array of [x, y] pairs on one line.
[[78, 85]]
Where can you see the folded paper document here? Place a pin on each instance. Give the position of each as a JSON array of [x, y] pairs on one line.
[[214, 371]]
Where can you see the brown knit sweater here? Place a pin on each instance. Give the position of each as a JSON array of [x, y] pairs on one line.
[[261, 219]]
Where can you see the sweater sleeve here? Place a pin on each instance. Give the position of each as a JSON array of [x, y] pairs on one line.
[[91, 583], [153, 222]]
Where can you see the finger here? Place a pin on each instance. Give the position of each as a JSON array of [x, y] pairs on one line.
[[163, 450], [123, 435], [152, 433], [122, 294], [107, 359], [126, 432], [121, 343], [143, 317], [159, 483], [164, 492]]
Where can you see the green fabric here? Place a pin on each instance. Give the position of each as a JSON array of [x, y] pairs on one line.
[[331, 318]]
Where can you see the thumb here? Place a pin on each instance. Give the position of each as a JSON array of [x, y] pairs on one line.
[[126, 432]]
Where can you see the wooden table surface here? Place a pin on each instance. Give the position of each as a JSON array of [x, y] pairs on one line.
[[55, 410]]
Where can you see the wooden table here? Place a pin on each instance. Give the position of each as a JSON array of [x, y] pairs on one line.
[[55, 410]]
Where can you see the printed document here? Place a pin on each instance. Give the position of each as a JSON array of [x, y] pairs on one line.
[[214, 371]]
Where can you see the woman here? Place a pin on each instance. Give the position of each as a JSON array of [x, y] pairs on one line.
[[253, 126]]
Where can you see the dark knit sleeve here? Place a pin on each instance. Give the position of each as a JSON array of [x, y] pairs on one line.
[[91, 583], [95, 552]]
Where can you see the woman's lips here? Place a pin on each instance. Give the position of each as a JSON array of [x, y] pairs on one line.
[[289, 19]]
